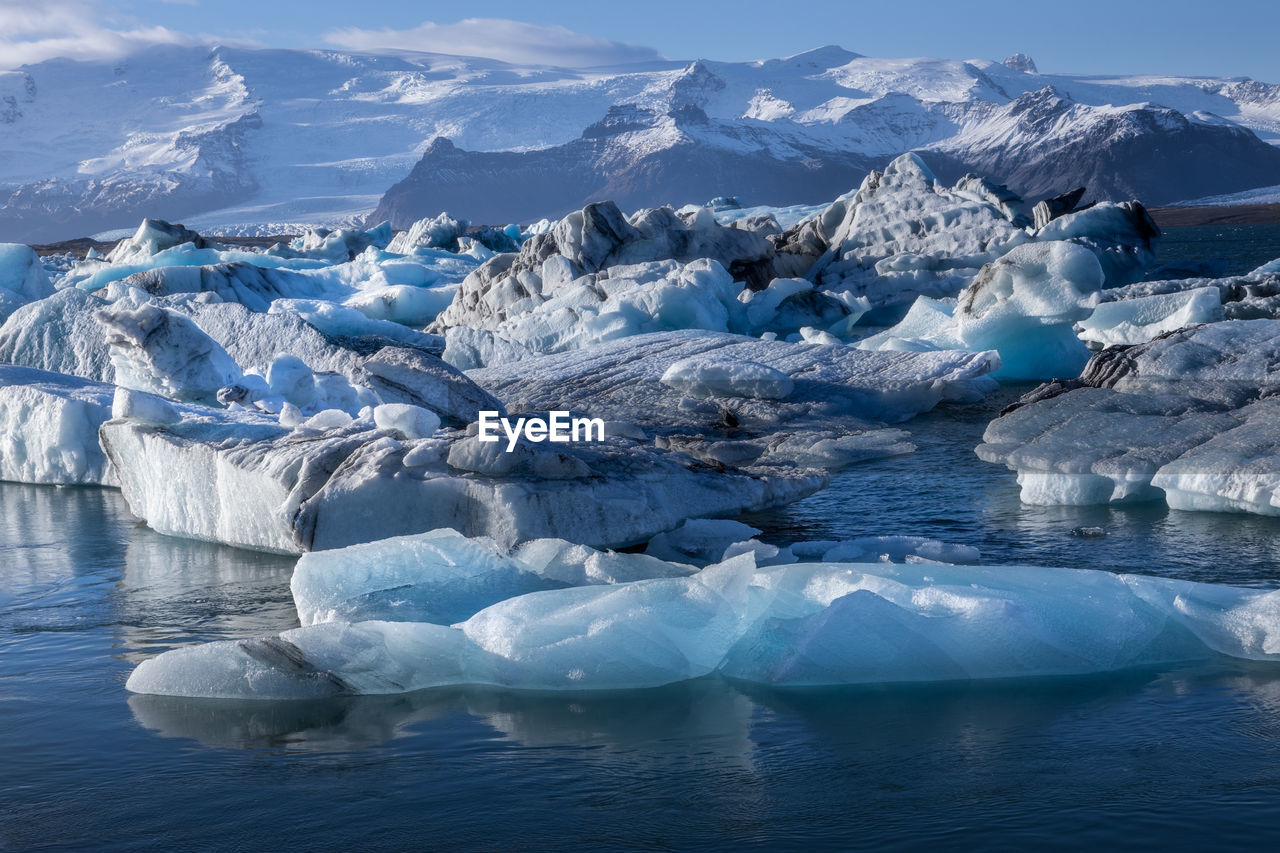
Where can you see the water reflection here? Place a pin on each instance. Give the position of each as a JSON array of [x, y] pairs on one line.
[[711, 716], [177, 591], [56, 544]]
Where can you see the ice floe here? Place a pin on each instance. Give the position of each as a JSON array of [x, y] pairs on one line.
[[793, 625]]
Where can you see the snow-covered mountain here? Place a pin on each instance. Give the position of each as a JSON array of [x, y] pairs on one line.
[[235, 138]]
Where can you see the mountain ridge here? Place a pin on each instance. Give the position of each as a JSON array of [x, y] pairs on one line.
[[232, 137]]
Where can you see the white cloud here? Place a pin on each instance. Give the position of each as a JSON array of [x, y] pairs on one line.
[[496, 38], [75, 29]]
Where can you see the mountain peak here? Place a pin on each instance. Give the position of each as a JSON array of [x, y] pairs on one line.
[[1022, 62]]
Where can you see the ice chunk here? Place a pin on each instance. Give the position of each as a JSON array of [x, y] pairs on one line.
[[1237, 470], [162, 352], [578, 565], [703, 376], [60, 334], [442, 232], [411, 376], [1136, 321], [402, 303], [440, 576], [240, 282], [622, 380], [468, 349], [135, 405], [153, 237], [1187, 417], [699, 540], [408, 421], [1022, 305], [1094, 445], [49, 427], [22, 278], [1228, 364], [800, 624]]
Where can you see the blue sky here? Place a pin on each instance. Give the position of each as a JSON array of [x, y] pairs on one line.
[[1219, 38]]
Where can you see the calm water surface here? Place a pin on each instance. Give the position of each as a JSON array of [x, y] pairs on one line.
[[1150, 758]]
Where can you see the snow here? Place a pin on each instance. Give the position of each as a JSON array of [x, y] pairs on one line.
[[297, 123], [794, 625]]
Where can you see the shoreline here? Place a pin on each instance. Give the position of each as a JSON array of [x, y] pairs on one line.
[[1236, 214]]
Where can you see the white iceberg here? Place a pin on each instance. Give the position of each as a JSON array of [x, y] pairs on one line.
[[22, 278], [250, 481]]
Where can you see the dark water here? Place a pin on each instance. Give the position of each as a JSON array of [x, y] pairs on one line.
[[1154, 758], [1240, 248]]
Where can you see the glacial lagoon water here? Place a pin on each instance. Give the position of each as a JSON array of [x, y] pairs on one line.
[[1173, 756], [1187, 754]]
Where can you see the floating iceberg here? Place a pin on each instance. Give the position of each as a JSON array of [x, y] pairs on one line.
[[1187, 418], [49, 428], [250, 481], [795, 625], [1138, 320], [904, 235]]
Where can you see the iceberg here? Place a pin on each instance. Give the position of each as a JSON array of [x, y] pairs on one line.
[[162, 352], [1023, 305], [680, 380], [250, 481], [1186, 418], [49, 428], [796, 625], [444, 577], [22, 278], [1138, 320]]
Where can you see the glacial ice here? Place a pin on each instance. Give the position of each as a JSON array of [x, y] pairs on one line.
[[250, 481], [1023, 305], [1187, 418], [1138, 320], [624, 381], [794, 625], [22, 278], [49, 428], [904, 235], [162, 352]]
